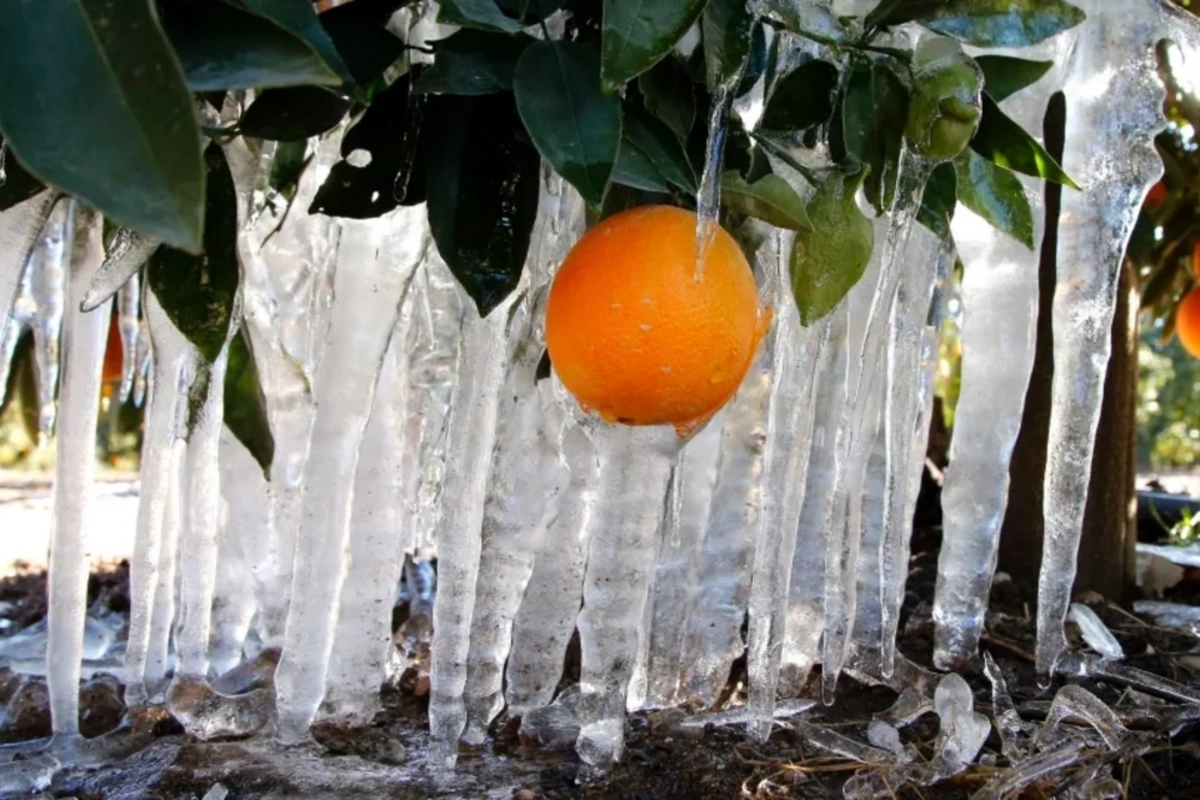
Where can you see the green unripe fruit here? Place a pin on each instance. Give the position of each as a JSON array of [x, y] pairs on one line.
[[947, 100]]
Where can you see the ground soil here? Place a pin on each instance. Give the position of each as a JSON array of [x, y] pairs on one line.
[[662, 761]]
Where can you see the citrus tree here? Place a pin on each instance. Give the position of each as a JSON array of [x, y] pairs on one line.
[[118, 104]]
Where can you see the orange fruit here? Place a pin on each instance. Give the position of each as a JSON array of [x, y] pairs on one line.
[[638, 334], [113, 354], [1187, 322]]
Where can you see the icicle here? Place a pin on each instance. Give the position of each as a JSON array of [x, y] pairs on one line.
[[245, 518], [151, 572], [635, 465], [693, 482], [903, 409], [20, 227], [1000, 300], [162, 619], [129, 300], [48, 267], [528, 471], [127, 252], [23, 309], [378, 540], [468, 461], [1113, 156], [868, 618], [84, 338], [375, 261], [789, 430], [708, 198], [546, 618]]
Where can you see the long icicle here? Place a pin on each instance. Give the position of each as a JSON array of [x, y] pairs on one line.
[[83, 349]]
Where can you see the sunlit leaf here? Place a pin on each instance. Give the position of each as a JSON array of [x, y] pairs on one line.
[[984, 23], [94, 103], [575, 126], [996, 195], [770, 198], [1004, 142], [1004, 76]]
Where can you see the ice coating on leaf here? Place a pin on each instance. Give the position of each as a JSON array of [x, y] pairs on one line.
[[1077, 702], [1014, 732], [635, 466], [1114, 156], [1095, 632], [126, 254], [963, 730], [838, 744], [1000, 299], [375, 262], [84, 338], [49, 264]]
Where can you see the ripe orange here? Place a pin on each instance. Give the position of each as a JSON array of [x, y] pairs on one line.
[[112, 353], [1187, 322], [642, 338]]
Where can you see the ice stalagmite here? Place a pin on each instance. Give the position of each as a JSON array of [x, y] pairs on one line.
[[1000, 299], [468, 464], [546, 617], [635, 466], [48, 267], [20, 227], [1113, 157], [375, 261], [84, 338], [789, 426], [869, 514], [675, 575], [151, 588], [903, 407], [528, 470], [378, 539]]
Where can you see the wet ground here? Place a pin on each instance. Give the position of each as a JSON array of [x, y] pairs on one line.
[[668, 756]]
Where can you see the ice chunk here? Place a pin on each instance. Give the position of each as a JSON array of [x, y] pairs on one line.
[[1170, 615], [963, 730], [833, 742], [84, 337], [48, 267], [20, 227], [1095, 632], [1078, 703], [885, 737], [1009, 783], [375, 261], [1114, 159], [1014, 732], [127, 252]]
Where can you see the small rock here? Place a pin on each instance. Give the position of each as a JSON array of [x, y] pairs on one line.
[[392, 752], [525, 794], [101, 706], [27, 715], [666, 722]]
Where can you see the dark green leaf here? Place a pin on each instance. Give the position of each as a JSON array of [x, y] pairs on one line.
[[16, 184], [634, 169], [299, 17], [292, 114], [94, 103], [223, 47], [802, 98], [996, 195], [668, 94], [1008, 144], [873, 116], [655, 139], [482, 193], [726, 26], [897, 12], [287, 165], [357, 29], [529, 12], [388, 132], [638, 33], [1004, 76], [473, 62], [938, 201], [575, 127], [198, 292], [1002, 23], [770, 198], [484, 15], [246, 405], [828, 260]]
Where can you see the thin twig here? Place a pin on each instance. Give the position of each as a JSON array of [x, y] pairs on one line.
[[1010, 647]]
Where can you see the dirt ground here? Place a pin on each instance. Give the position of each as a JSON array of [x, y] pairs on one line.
[[663, 759]]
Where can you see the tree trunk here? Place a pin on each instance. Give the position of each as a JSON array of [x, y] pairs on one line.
[[1106, 558]]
